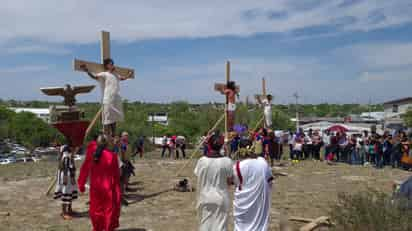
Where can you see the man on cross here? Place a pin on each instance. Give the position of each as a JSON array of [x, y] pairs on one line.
[[266, 103], [111, 100], [230, 92]]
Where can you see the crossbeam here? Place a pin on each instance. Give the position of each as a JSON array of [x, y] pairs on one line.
[[97, 67], [104, 54]]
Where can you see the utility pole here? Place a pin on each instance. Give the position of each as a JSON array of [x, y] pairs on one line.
[[370, 105], [297, 111], [153, 127]]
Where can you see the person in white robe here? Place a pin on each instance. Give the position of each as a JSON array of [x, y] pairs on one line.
[[266, 103], [112, 103], [214, 174], [253, 180]]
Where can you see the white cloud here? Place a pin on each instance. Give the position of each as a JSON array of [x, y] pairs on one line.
[[79, 20], [390, 76], [35, 49], [379, 55], [25, 69], [195, 82]]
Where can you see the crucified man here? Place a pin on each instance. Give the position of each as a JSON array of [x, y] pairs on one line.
[[111, 100], [230, 92]]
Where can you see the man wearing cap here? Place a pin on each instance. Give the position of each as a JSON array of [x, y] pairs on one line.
[[111, 100]]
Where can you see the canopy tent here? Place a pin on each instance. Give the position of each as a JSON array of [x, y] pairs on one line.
[[338, 128]]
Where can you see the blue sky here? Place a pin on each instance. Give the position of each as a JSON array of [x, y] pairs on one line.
[[336, 51]]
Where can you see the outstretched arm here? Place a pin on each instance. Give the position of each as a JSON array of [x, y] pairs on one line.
[[129, 75], [85, 170], [85, 69], [259, 100]]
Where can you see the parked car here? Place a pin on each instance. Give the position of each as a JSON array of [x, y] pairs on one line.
[[78, 157], [24, 160], [36, 159], [7, 161]]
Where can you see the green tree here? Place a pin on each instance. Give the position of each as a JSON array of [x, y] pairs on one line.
[[407, 118], [31, 131], [5, 118]]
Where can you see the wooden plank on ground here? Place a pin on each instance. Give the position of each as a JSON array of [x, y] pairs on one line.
[[316, 223]]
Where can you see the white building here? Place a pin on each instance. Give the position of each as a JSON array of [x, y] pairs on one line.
[[42, 113], [161, 118], [395, 109], [373, 116]]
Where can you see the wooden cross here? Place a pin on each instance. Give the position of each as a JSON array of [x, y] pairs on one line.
[[105, 54], [220, 87], [263, 96]]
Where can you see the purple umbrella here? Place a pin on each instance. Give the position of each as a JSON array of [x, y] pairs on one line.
[[240, 128]]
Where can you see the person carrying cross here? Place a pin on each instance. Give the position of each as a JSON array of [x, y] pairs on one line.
[[111, 101]]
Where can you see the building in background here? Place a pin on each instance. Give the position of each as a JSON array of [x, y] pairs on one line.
[[42, 113], [393, 111], [160, 117], [372, 116]]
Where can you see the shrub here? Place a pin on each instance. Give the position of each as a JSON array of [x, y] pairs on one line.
[[371, 210]]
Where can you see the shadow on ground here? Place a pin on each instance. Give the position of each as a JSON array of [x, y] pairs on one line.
[[136, 198]]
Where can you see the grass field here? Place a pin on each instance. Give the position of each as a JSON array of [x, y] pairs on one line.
[[309, 190]]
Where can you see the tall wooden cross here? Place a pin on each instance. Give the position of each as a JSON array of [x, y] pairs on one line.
[[263, 96], [220, 87], [105, 54]]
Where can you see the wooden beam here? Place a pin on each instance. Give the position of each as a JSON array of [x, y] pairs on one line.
[[318, 222], [264, 87], [301, 219], [220, 87], [227, 71], [105, 45], [260, 97], [4, 214], [96, 68]]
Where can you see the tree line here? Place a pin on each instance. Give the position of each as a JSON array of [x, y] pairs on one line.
[[189, 120]]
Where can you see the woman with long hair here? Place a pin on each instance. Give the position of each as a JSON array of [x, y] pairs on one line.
[[102, 167]]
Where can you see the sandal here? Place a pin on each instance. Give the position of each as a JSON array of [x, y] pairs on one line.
[[66, 217]]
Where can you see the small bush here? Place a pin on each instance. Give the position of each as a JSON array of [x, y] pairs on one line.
[[372, 211]]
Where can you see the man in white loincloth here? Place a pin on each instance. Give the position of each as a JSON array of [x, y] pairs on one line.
[[267, 109], [214, 174], [230, 92], [111, 100], [253, 180]]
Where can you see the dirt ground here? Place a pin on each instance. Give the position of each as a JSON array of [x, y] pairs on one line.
[[308, 191]]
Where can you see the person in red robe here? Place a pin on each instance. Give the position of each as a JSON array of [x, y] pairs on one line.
[[102, 167]]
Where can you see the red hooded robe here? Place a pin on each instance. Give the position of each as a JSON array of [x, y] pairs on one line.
[[105, 192]]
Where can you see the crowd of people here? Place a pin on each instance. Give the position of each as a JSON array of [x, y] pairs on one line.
[[387, 149], [174, 145]]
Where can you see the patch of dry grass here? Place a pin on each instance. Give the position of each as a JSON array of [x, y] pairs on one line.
[[370, 210]]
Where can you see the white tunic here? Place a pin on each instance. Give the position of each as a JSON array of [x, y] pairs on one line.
[[111, 100], [267, 110], [252, 195], [213, 202]]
